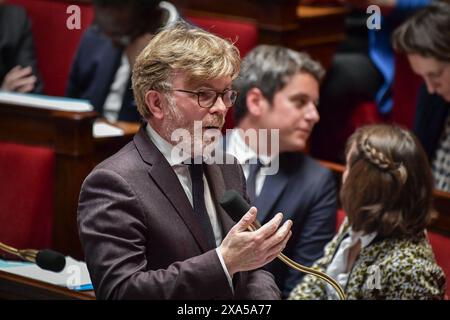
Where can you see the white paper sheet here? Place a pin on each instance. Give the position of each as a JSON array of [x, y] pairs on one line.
[[74, 275], [45, 102], [102, 129]]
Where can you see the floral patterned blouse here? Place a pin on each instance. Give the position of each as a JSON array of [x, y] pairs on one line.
[[386, 269]]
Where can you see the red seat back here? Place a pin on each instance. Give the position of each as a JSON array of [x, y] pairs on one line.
[[340, 216], [55, 43], [26, 195], [243, 34], [404, 92]]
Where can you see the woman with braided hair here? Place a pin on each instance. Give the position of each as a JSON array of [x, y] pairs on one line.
[[381, 250]]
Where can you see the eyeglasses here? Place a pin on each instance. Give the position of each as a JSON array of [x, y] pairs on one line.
[[207, 98]]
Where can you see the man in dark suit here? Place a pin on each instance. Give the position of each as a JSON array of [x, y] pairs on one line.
[[278, 94], [18, 66], [102, 66], [150, 225]]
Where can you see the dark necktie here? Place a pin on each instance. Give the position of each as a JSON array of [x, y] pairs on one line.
[[198, 201], [251, 180]]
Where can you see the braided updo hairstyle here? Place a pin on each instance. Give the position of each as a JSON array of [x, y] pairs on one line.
[[389, 184]]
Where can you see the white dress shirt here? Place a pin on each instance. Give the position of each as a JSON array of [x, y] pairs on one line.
[[113, 101], [338, 267], [182, 172], [237, 147]]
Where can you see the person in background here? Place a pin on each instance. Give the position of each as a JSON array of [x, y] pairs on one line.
[[18, 65], [101, 70], [362, 70], [279, 89], [381, 250], [425, 39], [149, 218]]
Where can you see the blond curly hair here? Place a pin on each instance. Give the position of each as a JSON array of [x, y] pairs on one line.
[[181, 47]]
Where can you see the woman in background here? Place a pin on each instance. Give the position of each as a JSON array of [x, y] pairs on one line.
[[425, 39], [381, 250]]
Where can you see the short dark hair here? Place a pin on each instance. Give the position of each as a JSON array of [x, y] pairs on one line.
[[270, 68], [389, 185], [427, 33]]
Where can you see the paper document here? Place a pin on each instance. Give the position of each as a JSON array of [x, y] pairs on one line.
[[102, 129], [45, 102], [74, 276]]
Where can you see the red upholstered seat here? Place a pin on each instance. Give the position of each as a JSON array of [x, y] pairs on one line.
[[340, 216], [26, 195], [404, 92], [243, 34], [441, 249], [55, 43]]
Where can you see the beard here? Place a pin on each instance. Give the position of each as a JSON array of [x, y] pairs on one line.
[[198, 138]]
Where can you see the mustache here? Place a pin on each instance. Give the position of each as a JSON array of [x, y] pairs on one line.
[[216, 121]]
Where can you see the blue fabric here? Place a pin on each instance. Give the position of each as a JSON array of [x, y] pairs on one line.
[[382, 53]]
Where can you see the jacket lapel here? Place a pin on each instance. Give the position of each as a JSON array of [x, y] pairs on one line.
[[273, 187], [166, 179]]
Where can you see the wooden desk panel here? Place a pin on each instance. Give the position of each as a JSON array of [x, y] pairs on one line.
[[15, 287], [317, 30], [77, 153]]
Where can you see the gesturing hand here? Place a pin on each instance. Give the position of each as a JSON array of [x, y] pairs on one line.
[[244, 250]]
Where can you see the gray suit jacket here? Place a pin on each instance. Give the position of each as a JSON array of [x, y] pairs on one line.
[[141, 238]]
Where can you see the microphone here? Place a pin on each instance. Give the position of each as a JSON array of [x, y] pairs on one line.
[[46, 259], [235, 205]]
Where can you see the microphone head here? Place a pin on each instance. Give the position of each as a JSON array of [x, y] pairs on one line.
[[50, 260], [234, 204]]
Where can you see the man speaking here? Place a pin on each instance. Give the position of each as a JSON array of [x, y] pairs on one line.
[[150, 224]]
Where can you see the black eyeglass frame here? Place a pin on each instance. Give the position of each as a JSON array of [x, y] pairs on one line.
[[221, 94]]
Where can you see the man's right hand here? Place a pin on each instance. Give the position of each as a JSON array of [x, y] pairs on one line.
[[244, 250], [19, 79]]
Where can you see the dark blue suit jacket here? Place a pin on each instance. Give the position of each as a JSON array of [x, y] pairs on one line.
[[432, 111], [93, 71], [306, 193]]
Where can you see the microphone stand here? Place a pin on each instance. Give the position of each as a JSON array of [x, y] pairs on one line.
[[297, 266], [24, 254]]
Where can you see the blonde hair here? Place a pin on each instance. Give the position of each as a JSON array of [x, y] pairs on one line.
[[181, 47]]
